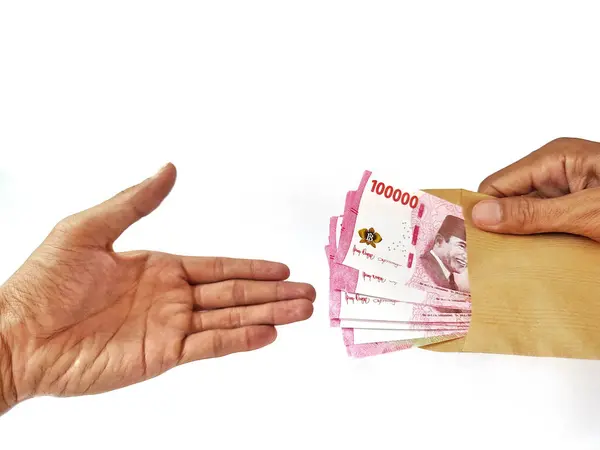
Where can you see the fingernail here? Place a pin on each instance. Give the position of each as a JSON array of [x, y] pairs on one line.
[[487, 212]]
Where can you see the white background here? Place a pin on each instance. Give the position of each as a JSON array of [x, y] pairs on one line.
[[271, 111]]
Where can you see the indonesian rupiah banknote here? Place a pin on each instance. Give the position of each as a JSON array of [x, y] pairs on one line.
[[398, 268]]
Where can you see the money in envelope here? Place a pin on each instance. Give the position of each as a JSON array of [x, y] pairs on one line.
[[398, 269], [402, 276]]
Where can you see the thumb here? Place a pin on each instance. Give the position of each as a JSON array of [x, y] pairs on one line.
[[577, 213], [104, 223]]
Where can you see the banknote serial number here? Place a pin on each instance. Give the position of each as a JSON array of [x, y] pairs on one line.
[[395, 194]]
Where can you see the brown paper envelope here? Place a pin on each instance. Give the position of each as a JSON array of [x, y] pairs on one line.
[[531, 295]]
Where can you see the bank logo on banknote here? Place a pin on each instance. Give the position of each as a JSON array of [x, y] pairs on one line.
[[410, 292], [369, 237]]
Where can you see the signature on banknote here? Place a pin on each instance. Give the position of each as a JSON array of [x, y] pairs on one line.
[[400, 263], [364, 299], [362, 252], [371, 277]]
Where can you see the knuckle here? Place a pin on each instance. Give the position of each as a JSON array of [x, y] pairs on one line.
[[247, 339], [219, 267], [525, 213], [124, 193], [218, 344], [561, 141], [64, 231], [65, 226], [487, 186], [138, 211], [238, 292], [279, 289], [483, 186], [198, 322], [198, 295], [564, 145], [235, 318], [79, 229], [252, 268]]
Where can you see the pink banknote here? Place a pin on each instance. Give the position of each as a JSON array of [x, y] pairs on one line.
[[355, 280], [373, 348], [369, 336], [434, 334], [376, 233], [352, 280], [380, 348], [411, 237], [358, 306], [439, 265], [408, 317], [335, 295], [413, 317], [399, 326], [386, 292]]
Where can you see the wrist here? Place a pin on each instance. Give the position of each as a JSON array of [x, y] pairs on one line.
[[8, 393]]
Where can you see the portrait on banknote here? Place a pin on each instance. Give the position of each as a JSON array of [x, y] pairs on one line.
[[445, 260]]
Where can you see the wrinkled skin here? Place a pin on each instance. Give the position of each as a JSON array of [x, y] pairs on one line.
[[554, 189], [79, 318]]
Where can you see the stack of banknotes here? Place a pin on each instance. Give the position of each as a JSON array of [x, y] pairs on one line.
[[398, 269]]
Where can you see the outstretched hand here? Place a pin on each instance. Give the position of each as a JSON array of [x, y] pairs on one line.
[[78, 318], [554, 189]]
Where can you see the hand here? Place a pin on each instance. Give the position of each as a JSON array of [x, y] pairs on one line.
[[554, 189], [79, 318]]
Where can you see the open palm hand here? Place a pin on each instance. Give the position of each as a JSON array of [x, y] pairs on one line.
[[81, 318]]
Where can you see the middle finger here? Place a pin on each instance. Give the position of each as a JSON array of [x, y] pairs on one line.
[[230, 293], [279, 313]]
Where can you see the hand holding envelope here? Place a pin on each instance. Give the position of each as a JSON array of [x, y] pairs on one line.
[[555, 189], [533, 285]]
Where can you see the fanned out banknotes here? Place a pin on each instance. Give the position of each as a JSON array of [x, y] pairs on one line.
[[398, 269]]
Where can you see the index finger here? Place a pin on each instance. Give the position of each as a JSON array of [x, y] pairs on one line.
[[542, 171], [205, 269]]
